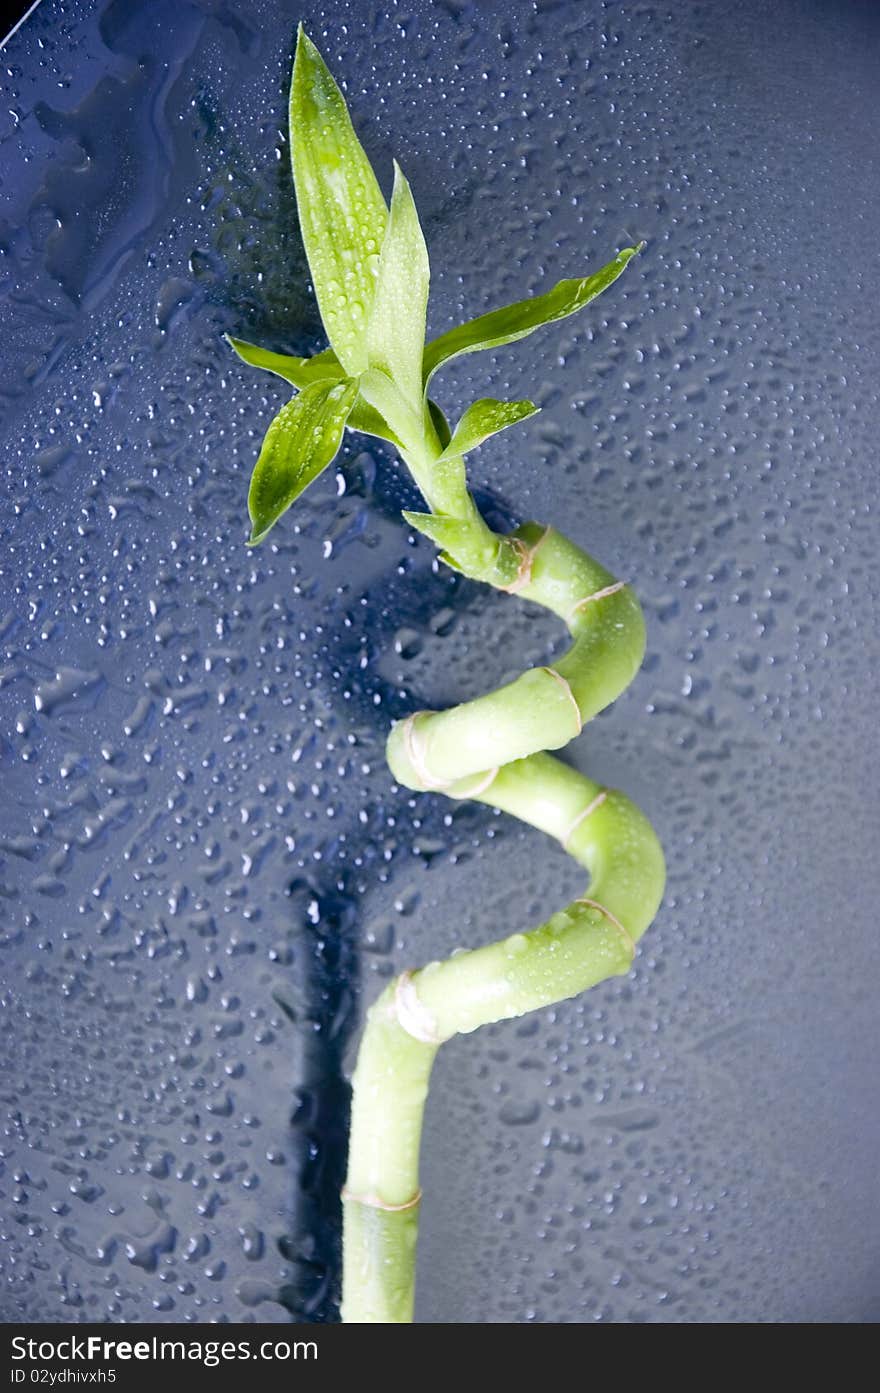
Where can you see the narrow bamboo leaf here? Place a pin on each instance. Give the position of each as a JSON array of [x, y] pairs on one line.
[[298, 371], [299, 444], [446, 532], [301, 372], [342, 213], [486, 417], [516, 321], [396, 333]]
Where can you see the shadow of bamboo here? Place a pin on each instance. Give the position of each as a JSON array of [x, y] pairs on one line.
[[326, 920]]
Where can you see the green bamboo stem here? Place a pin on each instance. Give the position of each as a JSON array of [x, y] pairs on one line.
[[492, 749], [546, 707], [381, 1196]]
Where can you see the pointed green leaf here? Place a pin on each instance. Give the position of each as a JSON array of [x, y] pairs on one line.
[[396, 333], [298, 371], [449, 533], [486, 417], [341, 210], [299, 444], [516, 321], [302, 372]]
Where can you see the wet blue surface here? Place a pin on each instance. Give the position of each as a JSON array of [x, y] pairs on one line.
[[205, 870]]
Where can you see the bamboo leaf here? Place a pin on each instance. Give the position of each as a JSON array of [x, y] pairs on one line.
[[302, 372], [298, 371], [516, 321], [396, 333], [452, 534], [484, 418], [299, 444], [440, 529], [342, 213]]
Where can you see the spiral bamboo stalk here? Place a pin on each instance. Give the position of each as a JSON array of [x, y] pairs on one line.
[[492, 750]]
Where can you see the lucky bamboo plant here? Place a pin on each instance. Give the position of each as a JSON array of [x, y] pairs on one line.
[[369, 268]]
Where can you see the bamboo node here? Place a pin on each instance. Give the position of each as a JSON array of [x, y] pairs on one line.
[[596, 595], [416, 754], [374, 1202], [412, 1016], [566, 687], [486, 782], [527, 556], [612, 919], [582, 817]]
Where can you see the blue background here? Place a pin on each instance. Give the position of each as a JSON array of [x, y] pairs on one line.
[[205, 870]]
